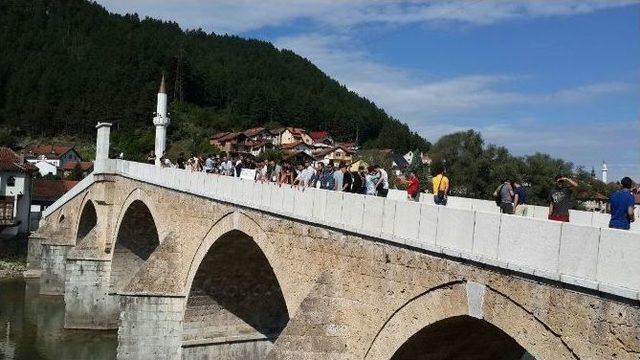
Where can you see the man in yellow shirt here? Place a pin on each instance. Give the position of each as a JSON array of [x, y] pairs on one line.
[[441, 188]]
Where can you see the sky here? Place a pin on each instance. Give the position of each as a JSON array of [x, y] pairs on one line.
[[560, 77]]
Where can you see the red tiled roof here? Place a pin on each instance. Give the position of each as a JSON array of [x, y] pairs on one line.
[[84, 165], [589, 195], [219, 135], [253, 131], [228, 137], [319, 135], [292, 145], [330, 150], [51, 190], [10, 161], [49, 150]]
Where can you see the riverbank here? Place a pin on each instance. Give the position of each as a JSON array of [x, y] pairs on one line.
[[12, 267]]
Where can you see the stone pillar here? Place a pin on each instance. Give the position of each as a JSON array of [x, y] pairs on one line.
[[150, 327], [52, 278], [88, 304], [34, 257], [102, 146]]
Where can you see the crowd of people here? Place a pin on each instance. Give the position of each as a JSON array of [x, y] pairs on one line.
[[372, 180], [510, 196]]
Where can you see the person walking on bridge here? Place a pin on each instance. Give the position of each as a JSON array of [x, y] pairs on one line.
[[519, 199], [622, 206], [441, 188], [504, 197]]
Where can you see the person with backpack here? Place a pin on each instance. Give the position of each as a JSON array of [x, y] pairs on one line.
[[504, 197], [440, 188]]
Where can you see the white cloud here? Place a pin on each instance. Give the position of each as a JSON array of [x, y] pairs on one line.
[[238, 16], [435, 107], [415, 98]]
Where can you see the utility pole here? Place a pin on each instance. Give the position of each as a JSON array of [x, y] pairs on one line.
[[178, 90]]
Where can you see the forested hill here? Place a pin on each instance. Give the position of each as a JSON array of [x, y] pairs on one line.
[[67, 64]]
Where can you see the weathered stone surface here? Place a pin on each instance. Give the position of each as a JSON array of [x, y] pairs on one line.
[[346, 296]]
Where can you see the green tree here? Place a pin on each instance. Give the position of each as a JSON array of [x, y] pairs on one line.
[[76, 174]]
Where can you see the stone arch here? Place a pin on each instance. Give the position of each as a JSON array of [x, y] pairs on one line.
[[234, 291], [87, 220], [459, 308], [136, 238], [141, 195]]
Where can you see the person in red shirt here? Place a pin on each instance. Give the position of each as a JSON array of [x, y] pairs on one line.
[[413, 187]]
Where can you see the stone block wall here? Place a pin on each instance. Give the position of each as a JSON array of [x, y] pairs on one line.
[[53, 264], [88, 304], [151, 327]]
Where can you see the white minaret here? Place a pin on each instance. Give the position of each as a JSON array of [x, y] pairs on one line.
[[161, 121], [604, 172]]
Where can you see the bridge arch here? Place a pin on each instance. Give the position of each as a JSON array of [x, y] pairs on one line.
[[234, 289], [455, 320], [87, 220], [136, 237]]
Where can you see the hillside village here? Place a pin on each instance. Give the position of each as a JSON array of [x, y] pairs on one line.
[[300, 145]]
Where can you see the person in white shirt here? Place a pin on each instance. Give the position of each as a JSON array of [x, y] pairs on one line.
[[383, 183]]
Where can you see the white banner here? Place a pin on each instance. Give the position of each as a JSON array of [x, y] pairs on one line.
[[248, 174]]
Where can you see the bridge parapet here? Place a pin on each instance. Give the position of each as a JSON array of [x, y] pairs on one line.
[[598, 259]]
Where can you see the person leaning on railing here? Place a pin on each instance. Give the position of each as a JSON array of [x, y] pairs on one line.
[[560, 199]]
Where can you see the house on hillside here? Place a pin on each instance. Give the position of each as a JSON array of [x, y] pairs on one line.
[[230, 142], [289, 135], [298, 146], [258, 134], [49, 158], [335, 155], [321, 139], [86, 168], [257, 147], [46, 168], [398, 163], [298, 157], [15, 193], [593, 201], [423, 157], [46, 192]]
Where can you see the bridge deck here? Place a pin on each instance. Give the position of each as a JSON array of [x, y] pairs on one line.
[[587, 256]]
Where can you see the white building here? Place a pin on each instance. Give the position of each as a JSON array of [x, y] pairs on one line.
[[48, 158], [15, 193], [45, 167]]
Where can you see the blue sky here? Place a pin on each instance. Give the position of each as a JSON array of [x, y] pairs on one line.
[[561, 77]]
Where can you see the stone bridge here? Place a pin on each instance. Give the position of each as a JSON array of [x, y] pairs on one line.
[[194, 265]]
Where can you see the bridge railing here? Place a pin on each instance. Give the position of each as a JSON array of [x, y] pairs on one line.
[[596, 258], [539, 212]]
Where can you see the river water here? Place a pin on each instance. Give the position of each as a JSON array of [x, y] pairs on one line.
[[31, 327]]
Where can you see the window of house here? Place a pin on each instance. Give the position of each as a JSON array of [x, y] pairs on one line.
[[11, 181]]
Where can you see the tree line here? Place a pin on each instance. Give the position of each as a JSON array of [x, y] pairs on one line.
[[476, 169], [67, 64]]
